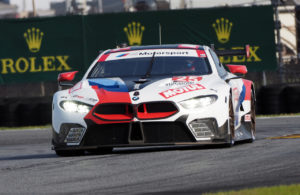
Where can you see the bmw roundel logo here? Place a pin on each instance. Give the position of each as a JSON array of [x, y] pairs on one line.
[[135, 98]]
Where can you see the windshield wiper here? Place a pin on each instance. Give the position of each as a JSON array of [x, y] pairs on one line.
[[148, 73], [143, 79]]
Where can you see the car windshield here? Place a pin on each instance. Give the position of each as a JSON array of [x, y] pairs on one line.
[[161, 66]]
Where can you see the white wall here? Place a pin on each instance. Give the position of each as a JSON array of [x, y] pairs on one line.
[[176, 4], [288, 30], [26, 5]]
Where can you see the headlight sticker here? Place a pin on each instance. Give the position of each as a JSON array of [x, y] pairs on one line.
[[181, 90], [198, 102], [74, 106]]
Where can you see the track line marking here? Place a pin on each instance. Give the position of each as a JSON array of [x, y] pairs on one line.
[[293, 136]]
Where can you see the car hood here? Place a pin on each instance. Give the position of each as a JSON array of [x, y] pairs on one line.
[[136, 90]]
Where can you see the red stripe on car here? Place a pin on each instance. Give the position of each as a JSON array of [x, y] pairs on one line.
[[103, 57], [201, 53], [247, 84]]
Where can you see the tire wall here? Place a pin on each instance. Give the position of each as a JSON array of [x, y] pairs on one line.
[[25, 112], [278, 99], [37, 110]]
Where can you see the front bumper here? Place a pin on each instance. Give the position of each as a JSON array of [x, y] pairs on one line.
[[136, 134]]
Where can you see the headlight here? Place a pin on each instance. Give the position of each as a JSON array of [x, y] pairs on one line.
[[198, 102], [73, 106]]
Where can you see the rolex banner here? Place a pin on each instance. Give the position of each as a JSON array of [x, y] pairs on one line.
[[38, 49]]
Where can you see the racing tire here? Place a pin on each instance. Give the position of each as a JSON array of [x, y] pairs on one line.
[[231, 136], [253, 119], [69, 152]]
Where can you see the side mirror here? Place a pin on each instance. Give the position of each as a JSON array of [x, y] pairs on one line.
[[237, 69], [66, 77]]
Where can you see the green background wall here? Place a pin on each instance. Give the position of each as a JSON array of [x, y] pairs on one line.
[[72, 42]]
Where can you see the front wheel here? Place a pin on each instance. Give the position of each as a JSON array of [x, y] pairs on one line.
[[253, 120], [231, 136]]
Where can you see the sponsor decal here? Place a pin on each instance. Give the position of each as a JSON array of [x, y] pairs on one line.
[[33, 38], [223, 29], [76, 87], [122, 55], [178, 83], [164, 53], [135, 98], [78, 96], [186, 79], [248, 118], [181, 90], [253, 57], [134, 32]]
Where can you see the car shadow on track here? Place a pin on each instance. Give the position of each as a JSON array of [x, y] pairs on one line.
[[172, 148], [28, 157]]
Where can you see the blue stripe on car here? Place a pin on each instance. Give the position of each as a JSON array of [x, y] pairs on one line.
[[241, 99], [109, 85]]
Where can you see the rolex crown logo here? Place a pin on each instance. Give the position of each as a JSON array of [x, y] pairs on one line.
[[134, 32], [33, 39], [223, 29]]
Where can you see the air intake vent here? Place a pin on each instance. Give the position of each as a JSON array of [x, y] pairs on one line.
[[125, 112], [156, 110], [114, 112]]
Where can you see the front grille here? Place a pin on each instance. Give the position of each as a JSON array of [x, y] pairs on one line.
[[126, 112], [109, 134], [120, 111], [140, 133], [166, 132], [156, 110]]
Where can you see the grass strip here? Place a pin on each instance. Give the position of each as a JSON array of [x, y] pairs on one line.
[[278, 115], [43, 127], [278, 190]]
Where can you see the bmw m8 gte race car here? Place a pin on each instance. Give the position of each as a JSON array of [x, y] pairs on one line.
[[154, 95]]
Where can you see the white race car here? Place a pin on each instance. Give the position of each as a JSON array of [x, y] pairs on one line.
[[154, 95]]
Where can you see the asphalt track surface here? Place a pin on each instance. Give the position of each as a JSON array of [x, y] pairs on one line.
[[29, 166]]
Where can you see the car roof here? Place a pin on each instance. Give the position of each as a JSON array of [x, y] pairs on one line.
[[148, 47]]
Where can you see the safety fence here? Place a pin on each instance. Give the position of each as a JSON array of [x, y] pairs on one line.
[[37, 49]]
